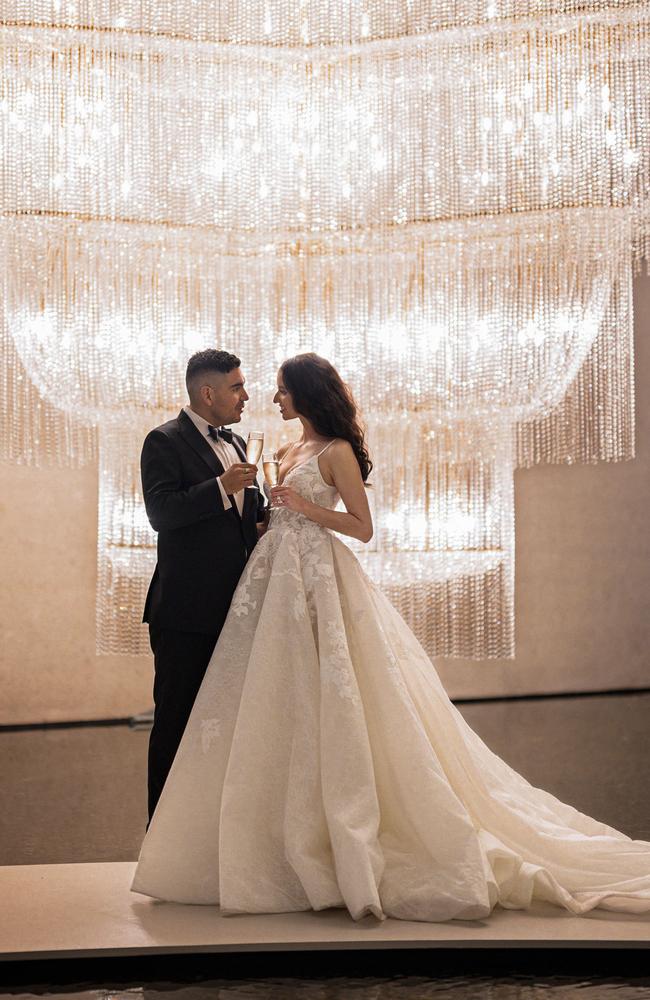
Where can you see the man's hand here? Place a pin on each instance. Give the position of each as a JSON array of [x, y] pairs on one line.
[[238, 476]]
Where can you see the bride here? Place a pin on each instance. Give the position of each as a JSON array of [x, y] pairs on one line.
[[323, 764]]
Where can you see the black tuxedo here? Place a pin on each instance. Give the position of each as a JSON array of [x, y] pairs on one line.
[[202, 551]]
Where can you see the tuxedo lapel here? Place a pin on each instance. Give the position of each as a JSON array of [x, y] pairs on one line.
[[193, 437]]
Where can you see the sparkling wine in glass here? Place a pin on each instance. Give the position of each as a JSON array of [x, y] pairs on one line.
[[271, 467], [254, 447]]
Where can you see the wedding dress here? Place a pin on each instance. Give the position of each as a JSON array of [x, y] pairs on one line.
[[323, 765]]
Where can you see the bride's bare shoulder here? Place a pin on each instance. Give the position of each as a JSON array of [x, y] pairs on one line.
[[283, 449], [339, 447], [338, 453]]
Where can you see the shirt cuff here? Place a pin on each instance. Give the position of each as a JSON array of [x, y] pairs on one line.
[[224, 496]]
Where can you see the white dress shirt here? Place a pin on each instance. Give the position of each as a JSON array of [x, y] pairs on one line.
[[225, 452]]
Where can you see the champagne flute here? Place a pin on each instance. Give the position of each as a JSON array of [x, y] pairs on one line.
[[254, 446], [271, 467]]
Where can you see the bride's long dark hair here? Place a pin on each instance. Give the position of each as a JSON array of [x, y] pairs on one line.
[[319, 393]]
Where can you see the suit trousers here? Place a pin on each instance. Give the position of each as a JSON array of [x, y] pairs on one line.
[[180, 661]]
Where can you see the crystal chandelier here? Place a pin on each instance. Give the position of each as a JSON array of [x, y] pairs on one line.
[[446, 203]]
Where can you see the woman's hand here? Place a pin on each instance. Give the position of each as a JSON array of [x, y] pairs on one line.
[[284, 496]]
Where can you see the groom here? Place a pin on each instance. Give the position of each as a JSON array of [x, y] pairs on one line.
[[201, 497]]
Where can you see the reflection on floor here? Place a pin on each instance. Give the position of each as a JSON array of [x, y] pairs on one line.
[[79, 794]]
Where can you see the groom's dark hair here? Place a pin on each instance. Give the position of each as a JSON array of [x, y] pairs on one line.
[[210, 360]]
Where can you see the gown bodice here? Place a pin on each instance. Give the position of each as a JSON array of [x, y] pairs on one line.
[[307, 480]]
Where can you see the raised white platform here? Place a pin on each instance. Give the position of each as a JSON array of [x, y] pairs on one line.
[[88, 911]]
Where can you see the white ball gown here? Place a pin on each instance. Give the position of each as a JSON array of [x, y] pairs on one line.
[[323, 765]]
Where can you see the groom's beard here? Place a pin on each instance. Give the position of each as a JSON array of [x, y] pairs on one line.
[[232, 418]]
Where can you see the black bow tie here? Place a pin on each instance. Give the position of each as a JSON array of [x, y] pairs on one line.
[[220, 432]]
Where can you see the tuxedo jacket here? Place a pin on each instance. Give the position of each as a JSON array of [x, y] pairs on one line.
[[202, 548]]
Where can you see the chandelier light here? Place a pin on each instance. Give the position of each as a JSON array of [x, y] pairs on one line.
[[447, 203], [482, 119]]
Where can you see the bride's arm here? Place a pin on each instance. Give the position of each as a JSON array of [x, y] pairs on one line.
[[343, 468]]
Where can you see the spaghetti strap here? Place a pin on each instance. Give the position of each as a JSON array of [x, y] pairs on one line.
[[325, 448]]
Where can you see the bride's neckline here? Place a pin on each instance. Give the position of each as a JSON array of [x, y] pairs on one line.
[[305, 461]]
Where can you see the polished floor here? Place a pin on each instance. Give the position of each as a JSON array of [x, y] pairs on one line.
[[77, 794]]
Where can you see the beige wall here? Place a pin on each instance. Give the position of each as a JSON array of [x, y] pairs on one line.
[[582, 585], [48, 667]]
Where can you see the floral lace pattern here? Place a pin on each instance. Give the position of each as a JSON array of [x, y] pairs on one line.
[[305, 479], [335, 662], [307, 547]]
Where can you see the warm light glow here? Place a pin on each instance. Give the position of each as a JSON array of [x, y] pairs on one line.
[[396, 186]]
